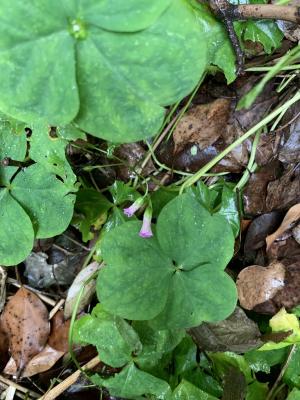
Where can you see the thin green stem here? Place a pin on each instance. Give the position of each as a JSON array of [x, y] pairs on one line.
[[283, 369], [193, 179], [183, 111], [251, 167], [267, 69]]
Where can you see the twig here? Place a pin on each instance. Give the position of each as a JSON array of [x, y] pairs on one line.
[[226, 12], [20, 388], [10, 393], [267, 11], [286, 125], [46, 299], [61, 387], [283, 369], [56, 308], [157, 143]]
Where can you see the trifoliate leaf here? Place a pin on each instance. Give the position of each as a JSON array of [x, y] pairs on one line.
[[178, 274], [111, 66], [45, 199], [115, 339]]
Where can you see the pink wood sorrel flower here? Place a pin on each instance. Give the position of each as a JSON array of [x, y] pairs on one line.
[[146, 231], [130, 211]]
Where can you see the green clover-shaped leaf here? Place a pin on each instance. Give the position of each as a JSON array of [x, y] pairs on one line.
[[111, 66], [115, 339], [131, 382], [45, 198], [177, 277], [33, 202], [16, 235]]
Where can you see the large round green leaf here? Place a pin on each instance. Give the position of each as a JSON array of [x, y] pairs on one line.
[[45, 198], [191, 236], [16, 233], [119, 15], [135, 267], [111, 65], [178, 276], [203, 294]]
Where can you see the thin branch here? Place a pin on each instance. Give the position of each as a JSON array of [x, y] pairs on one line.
[[70, 380], [266, 11]]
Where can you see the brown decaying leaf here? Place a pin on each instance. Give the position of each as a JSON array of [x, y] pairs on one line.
[[132, 154], [202, 124], [236, 333], [256, 190], [58, 338], [256, 284], [25, 320], [284, 193], [292, 216], [39, 363], [4, 356]]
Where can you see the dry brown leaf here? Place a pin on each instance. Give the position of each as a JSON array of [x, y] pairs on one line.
[[39, 363], [292, 216], [3, 347], [202, 124], [58, 338], [256, 284], [25, 320]]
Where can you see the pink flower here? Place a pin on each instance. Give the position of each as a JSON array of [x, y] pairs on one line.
[[146, 231], [130, 211]]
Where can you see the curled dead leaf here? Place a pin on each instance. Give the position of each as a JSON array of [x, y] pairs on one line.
[[292, 216], [76, 286], [3, 276], [257, 284], [39, 363], [296, 233], [25, 321]]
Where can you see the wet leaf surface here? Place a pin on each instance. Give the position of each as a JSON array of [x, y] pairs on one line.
[[25, 320], [258, 284], [236, 333], [258, 230]]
